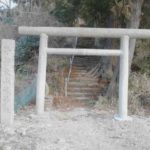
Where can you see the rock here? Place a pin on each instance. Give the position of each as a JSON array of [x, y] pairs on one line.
[[5, 147], [32, 116], [22, 131], [9, 131]]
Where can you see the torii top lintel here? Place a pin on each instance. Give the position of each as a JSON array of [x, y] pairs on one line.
[[86, 32]]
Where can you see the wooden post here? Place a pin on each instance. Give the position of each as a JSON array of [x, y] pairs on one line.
[[7, 81], [41, 78]]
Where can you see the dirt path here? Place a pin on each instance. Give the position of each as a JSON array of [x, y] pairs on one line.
[[79, 129]]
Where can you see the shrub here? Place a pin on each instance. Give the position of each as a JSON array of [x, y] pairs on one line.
[[139, 86], [8, 20], [26, 48], [141, 60]]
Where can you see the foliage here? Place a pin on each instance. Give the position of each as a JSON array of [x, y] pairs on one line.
[[46, 3], [26, 47], [142, 57], [56, 67], [93, 11], [139, 85], [55, 63], [122, 9], [144, 66], [66, 10], [145, 22], [26, 96], [8, 20]]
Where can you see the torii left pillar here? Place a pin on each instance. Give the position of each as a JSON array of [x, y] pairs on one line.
[[41, 77], [7, 81]]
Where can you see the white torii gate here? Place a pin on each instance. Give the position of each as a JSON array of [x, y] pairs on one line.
[[123, 34]]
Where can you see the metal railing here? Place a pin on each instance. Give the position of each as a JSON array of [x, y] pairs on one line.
[[70, 68]]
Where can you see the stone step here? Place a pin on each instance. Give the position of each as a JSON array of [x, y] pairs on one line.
[[75, 62], [82, 79], [85, 83], [80, 76], [82, 84], [84, 64], [87, 73], [80, 73], [72, 85], [84, 98], [86, 59], [79, 94], [78, 70], [78, 67], [74, 71], [77, 81], [84, 89]]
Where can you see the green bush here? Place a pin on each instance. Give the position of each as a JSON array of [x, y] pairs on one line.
[[66, 10], [26, 48], [8, 20], [142, 56], [144, 65], [94, 12]]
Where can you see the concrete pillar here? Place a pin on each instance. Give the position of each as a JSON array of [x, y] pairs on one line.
[[7, 81], [41, 77], [123, 80]]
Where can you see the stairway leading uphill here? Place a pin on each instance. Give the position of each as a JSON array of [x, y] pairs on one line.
[[82, 84]]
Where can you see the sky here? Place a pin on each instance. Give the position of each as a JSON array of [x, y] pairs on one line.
[[7, 1]]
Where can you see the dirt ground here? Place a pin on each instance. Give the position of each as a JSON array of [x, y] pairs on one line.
[[77, 129]]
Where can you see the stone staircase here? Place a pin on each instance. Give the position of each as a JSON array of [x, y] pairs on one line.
[[82, 85]]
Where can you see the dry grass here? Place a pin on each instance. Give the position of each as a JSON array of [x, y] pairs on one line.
[[139, 96], [104, 104], [139, 93], [66, 103]]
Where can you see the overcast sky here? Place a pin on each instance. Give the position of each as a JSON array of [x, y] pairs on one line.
[[7, 2]]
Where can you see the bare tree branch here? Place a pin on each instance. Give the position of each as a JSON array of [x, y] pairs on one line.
[[5, 4]]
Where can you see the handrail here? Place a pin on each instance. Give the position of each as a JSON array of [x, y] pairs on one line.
[[72, 58], [70, 69]]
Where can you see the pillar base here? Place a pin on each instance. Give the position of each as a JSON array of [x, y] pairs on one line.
[[119, 118]]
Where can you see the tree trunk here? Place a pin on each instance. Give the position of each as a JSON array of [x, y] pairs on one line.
[[133, 23]]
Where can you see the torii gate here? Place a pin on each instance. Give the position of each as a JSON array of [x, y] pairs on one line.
[[7, 64], [123, 34]]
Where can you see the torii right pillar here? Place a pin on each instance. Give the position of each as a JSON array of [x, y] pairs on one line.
[[123, 81]]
